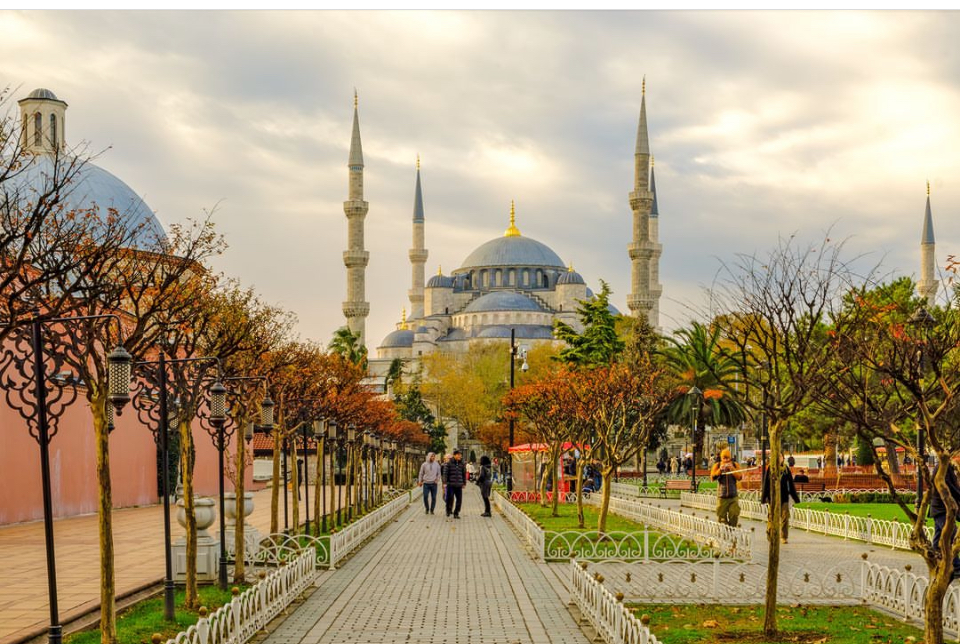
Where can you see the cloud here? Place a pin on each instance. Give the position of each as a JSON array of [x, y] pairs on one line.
[[762, 123]]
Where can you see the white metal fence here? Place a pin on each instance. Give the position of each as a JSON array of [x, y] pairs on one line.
[[615, 623], [902, 592], [893, 534], [245, 615], [728, 540], [524, 525], [347, 540]]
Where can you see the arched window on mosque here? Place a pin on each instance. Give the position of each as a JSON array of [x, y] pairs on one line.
[[37, 129], [546, 281], [53, 130]]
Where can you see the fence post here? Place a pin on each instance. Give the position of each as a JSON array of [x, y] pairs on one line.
[[869, 529], [203, 626], [846, 525]]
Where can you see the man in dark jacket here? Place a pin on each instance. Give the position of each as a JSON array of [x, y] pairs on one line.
[[787, 491], [454, 478], [939, 511]]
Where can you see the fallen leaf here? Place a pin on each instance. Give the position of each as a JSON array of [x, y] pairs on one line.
[[711, 623]]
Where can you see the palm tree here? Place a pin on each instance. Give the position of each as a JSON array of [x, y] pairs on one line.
[[348, 345], [694, 357]]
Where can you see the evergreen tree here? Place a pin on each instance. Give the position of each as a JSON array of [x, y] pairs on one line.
[[599, 344]]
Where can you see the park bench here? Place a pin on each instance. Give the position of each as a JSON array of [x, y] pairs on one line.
[[810, 486], [682, 485]]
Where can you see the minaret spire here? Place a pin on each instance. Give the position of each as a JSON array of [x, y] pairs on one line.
[[927, 286], [418, 254], [512, 230], [355, 258], [645, 249]]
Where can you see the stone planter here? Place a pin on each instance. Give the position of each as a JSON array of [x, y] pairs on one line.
[[205, 511], [230, 507]]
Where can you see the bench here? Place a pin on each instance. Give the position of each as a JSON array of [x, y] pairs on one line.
[[810, 486], [682, 485]]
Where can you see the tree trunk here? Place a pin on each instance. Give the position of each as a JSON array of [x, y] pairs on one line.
[[773, 534], [108, 585], [191, 598], [581, 521], [556, 484], [275, 487], [295, 481], [543, 485], [830, 453], [893, 465], [605, 499], [933, 605], [240, 550]]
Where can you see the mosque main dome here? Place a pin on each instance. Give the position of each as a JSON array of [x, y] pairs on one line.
[[512, 251], [92, 187]]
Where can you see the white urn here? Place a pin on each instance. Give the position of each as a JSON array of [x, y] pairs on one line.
[[230, 507], [205, 511]]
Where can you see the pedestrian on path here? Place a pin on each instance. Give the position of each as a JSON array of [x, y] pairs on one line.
[[454, 479], [429, 478], [726, 475], [485, 482], [445, 489], [787, 491], [938, 510]]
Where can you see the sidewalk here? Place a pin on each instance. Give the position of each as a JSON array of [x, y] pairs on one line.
[[432, 580], [138, 541]]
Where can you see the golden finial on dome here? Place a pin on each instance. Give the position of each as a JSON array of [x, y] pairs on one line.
[[928, 187], [512, 231], [570, 269], [403, 319], [439, 269], [418, 161]]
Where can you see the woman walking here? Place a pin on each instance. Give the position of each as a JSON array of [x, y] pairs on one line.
[[485, 483]]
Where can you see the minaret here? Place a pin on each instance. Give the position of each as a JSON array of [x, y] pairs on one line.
[[418, 254], [644, 250], [927, 286], [355, 258], [655, 287]]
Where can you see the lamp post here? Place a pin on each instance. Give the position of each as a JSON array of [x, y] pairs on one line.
[[695, 396], [302, 477], [922, 320], [156, 416], [514, 352], [23, 364]]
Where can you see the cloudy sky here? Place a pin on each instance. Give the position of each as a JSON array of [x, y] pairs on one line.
[[762, 124]]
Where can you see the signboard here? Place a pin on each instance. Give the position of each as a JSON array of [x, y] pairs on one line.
[[732, 440]]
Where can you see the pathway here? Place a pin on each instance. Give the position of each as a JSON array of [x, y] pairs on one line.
[[431, 580], [138, 539]]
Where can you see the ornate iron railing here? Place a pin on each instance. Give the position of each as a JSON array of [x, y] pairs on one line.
[[247, 613], [526, 527]]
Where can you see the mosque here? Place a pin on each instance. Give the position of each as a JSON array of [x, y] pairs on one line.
[[509, 284]]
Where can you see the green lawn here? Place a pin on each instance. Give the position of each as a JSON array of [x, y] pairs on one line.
[[568, 518], [139, 622], [706, 624], [885, 511]]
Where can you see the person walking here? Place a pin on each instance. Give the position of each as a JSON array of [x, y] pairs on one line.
[[445, 493], [485, 482], [454, 479], [429, 479], [938, 510], [787, 491], [726, 475]]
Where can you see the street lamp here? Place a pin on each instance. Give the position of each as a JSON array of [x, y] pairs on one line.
[[23, 369], [514, 352], [922, 320], [695, 396], [155, 414]]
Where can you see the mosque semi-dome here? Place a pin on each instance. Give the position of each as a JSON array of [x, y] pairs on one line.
[[397, 339], [570, 277], [502, 301], [440, 281]]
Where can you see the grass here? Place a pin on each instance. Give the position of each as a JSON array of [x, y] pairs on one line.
[[135, 625], [884, 511], [706, 624], [593, 544]]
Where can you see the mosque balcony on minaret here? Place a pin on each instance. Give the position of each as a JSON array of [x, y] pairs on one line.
[[415, 296], [639, 302], [355, 208], [640, 250], [418, 255], [356, 309], [641, 200], [355, 258]]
